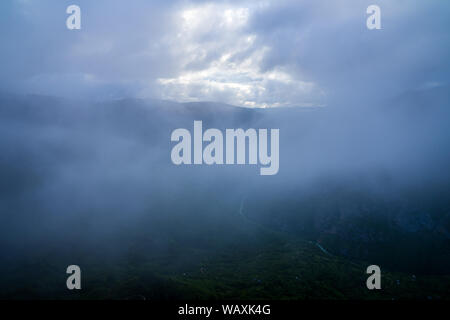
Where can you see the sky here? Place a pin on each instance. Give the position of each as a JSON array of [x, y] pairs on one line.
[[246, 53]]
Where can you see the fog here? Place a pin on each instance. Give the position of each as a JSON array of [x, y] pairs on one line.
[[97, 176], [86, 117]]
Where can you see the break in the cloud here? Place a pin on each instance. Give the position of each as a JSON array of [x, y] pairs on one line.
[[222, 62], [250, 53]]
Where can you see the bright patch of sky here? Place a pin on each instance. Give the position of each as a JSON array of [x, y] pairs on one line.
[[221, 62]]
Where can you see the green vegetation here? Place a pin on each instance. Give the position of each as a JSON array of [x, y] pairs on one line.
[[250, 263]]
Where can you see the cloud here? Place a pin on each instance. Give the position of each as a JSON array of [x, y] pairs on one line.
[[222, 61], [255, 54]]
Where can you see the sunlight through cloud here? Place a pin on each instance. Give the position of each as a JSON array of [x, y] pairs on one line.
[[222, 62]]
